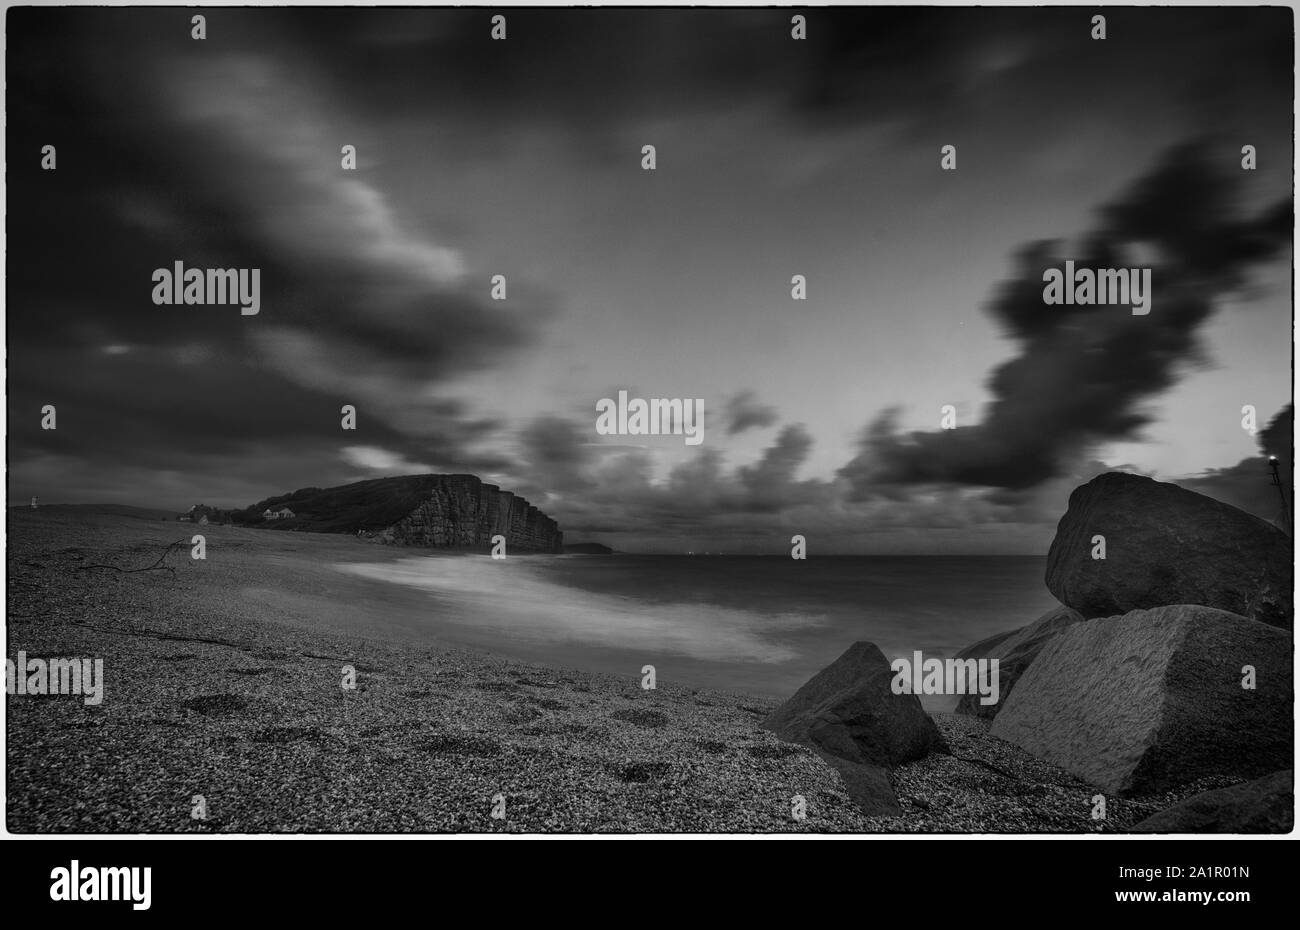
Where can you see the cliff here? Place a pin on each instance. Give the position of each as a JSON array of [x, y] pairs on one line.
[[437, 511]]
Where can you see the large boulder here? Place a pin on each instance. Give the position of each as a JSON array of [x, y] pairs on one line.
[[1167, 545], [1014, 651], [1266, 805], [850, 715], [849, 710], [1154, 699], [867, 785], [988, 647]]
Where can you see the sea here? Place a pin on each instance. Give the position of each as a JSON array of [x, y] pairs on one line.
[[757, 624]]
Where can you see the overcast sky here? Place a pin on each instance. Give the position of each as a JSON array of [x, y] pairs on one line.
[[774, 158]]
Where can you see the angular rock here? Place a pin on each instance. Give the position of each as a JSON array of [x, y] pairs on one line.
[[867, 785], [1014, 652], [1167, 545], [1153, 699], [1266, 805], [848, 713], [988, 647], [849, 710]]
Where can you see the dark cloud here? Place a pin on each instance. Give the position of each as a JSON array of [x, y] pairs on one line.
[[1082, 372], [701, 495], [222, 154], [225, 153], [770, 481], [592, 70], [743, 411], [1278, 439], [556, 452], [1249, 484], [915, 68]]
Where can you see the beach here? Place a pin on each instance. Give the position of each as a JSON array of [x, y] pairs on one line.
[[224, 711]]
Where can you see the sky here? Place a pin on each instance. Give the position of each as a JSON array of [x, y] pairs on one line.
[[774, 158]]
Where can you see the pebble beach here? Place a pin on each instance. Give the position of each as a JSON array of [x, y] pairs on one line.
[[224, 711]]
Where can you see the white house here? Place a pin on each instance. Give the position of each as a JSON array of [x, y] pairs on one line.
[[284, 513]]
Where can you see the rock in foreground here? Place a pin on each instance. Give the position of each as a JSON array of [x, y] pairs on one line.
[[1167, 545], [1014, 651], [1153, 699], [851, 716], [1266, 805]]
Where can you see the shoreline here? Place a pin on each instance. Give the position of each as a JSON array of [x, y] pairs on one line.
[[207, 694]]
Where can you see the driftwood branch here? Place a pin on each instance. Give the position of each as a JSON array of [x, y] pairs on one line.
[[988, 765], [147, 568], [159, 634]]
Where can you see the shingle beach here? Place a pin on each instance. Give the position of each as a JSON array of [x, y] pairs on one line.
[[224, 712]]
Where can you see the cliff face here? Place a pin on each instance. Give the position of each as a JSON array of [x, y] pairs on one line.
[[462, 512], [438, 511]]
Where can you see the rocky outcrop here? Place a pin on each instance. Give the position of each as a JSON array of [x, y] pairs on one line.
[[1167, 545], [462, 512], [1154, 699], [850, 715], [1014, 652], [1266, 805], [437, 511]]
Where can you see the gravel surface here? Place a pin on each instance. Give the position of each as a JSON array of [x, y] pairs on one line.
[[210, 692]]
